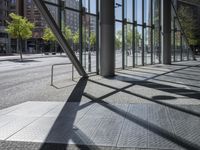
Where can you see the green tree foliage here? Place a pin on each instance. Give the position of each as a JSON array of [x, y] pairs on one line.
[[67, 33], [19, 28], [75, 37], [92, 39], [118, 40], [49, 37], [128, 36]]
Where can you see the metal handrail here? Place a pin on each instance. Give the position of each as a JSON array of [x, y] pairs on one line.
[[52, 70]]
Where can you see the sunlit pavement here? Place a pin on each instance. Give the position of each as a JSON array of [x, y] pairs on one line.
[[151, 107]]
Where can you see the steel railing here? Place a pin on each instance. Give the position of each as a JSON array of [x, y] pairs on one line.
[[61, 64]]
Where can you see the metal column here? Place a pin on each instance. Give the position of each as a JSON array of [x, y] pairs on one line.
[[166, 31], [107, 38]]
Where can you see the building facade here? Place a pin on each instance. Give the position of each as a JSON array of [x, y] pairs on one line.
[[7, 6]]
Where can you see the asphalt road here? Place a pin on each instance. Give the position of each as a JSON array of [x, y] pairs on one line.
[[30, 80]]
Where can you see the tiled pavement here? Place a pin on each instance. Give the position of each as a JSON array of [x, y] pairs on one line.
[[154, 107]]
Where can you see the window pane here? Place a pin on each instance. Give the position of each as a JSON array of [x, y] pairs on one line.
[[138, 44], [138, 11], [147, 12], [118, 44], [118, 9]]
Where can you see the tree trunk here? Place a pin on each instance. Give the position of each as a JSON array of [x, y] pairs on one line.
[[17, 45], [20, 49]]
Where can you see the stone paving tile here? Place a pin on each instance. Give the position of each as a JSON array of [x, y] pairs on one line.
[[35, 109], [97, 90], [124, 98], [186, 125], [14, 126], [133, 133], [108, 132], [158, 118], [10, 109], [101, 110]]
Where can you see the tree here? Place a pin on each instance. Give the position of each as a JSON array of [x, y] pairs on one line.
[[67, 33], [129, 37], [118, 40], [75, 39], [49, 36], [19, 28]]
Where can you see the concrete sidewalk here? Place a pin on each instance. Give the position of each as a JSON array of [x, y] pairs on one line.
[[29, 56]]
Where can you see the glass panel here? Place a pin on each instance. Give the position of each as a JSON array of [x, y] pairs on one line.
[[138, 44], [138, 11], [184, 49], [72, 3], [90, 6], [147, 46], [118, 9], [89, 43], [156, 45], [147, 12], [156, 30], [70, 28], [129, 10], [118, 44], [52, 1], [178, 46], [128, 45], [54, 11]]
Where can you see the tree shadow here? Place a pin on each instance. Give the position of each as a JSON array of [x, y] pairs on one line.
[[163, 97]]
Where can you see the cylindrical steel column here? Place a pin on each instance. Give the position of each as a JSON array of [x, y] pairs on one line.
[[107, 38], [166, 31]]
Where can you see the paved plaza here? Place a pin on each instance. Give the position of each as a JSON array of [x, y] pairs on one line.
[[151, 107]]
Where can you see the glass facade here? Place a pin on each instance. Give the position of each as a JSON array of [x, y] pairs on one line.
[[137, 31], [180, 46], [78, 18]]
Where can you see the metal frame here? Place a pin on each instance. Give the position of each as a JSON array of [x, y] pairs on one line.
[[60, 38], [135, 24]]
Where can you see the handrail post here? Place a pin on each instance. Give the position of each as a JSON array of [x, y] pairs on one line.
[[52, 75], [52, 70], [72, 72]]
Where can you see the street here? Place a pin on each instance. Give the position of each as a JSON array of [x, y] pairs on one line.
[[30, 80]]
